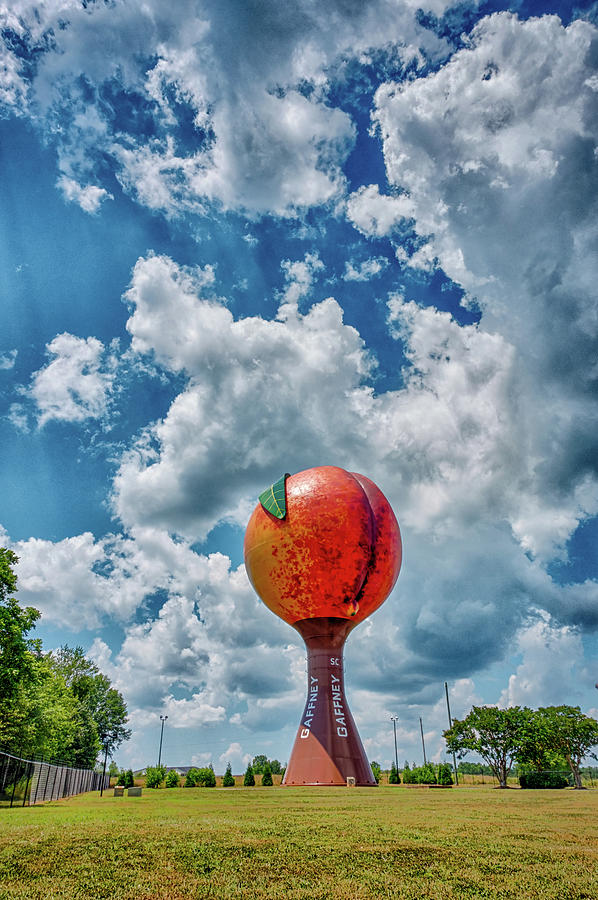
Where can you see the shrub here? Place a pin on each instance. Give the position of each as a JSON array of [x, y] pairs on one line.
[[126, 778], [154, 776], [407, 775], [544, 780], [200, 777], [248, 779], [267, 776], [172, 779], [425, 774], [207, 777], [376, 770], [444, 774], [394, 777], [228, 780]]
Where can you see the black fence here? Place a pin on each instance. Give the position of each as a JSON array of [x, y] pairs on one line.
[[24, 782]]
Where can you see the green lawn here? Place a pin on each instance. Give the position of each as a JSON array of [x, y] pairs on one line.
[[303, 842]]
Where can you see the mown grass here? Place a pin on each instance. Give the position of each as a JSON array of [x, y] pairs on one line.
[[304, 843]]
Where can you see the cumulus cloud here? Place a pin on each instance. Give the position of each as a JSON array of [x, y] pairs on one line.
[[366, 270], [495, 153], [236, 100], [548, 674], [89, 198], [7, 360], [76, 384]]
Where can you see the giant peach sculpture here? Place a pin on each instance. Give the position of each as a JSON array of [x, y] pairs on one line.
[[323, 551]]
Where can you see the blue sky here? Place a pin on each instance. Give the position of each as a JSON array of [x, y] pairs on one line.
[[239, 239]]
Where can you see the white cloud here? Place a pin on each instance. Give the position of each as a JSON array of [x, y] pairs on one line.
[[89, 198], [7, 360], [367, 269], [235, 756], [76, 383], [548, 674], [254, 83], [376, 214], [495, 152]]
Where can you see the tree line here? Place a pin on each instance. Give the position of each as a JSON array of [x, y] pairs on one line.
[[540, 741], [56, 705]]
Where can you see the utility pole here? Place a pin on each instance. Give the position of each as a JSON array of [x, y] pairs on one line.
[[394, 720], [448, 709], [421, 728], [104, 771], [163, 720]]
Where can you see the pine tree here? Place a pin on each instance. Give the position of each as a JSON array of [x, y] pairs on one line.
[[267, 776], [228, 780], [249, 780], [394, 777]]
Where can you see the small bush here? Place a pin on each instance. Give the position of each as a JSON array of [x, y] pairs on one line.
[[445, 775], [394, 777], [200, 777], [539, 780], [154, 776], [376, 770], [267, 776], [172, 779], [228, 780], [424, 774], [249, 779], [408, 775]]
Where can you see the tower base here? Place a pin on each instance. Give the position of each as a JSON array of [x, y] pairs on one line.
[[327, 749]]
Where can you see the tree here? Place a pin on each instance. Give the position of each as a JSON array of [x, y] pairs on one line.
[[445, 775], [424, 774], [172, 779], [228, 780], [267, 776], [275, 767], [492, 733], [248, 778], [113, 769], [407, 774], [570, 733], [98, 699], [394, 777], [17, 651], [259, 763], [154, 776], [376, 770]]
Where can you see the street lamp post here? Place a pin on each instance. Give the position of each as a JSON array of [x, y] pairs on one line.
[[163, 720], [394, 720], [448, 709], [421, 728]]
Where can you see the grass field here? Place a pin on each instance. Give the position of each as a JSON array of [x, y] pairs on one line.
[[304, 843]]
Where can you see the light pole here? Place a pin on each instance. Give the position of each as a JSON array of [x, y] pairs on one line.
[[394, 720], [163, 720], [421, 728], [448, 709]]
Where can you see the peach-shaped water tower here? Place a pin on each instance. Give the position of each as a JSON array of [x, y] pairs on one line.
[[323, 551]]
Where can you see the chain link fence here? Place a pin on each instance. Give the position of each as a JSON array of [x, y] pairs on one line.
[[25, 782]]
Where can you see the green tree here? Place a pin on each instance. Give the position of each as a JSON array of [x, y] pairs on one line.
[[99, 701], [445, 775], [228, 780], [407, 774], [394, 777], [424, 774], [248, 778], [154, 776], [17, 653], [259, 763], [172, 779], [113, 769], [267, 776], [570, 733], [376, 770], [492, 733], [275, 767]]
